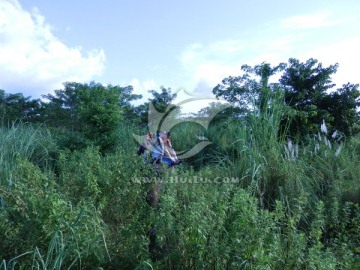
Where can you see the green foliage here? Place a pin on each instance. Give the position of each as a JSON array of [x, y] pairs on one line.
[[100, 114], [16, 107], [74, 196], [29, 142], [163, 99], [283, 210], [246, 91], [91, 113], [161, 102], [34, 208], [343, 105], [304, 88], [56, 256], [107, 183], [218, 113]]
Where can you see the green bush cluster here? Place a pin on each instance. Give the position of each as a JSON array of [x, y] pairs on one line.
[[295, 205]]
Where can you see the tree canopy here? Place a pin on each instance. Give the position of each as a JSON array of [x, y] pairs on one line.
[[16, 107], [306, 90], [158, 103], [93, 111]]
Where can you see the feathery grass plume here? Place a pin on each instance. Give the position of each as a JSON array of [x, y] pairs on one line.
[[322, 144], [291, 150], [323, 127], [338, 150]]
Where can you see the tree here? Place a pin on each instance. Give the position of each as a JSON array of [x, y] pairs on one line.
[[100, 114], [161, 102], [92, 112], [306, 91], [342, 106], [62, 109], [129, 111], [16, 107], [252, 90], [216, 112], [162, 99], [305, 87]]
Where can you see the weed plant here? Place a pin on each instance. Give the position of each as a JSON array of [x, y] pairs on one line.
[[295, 204]]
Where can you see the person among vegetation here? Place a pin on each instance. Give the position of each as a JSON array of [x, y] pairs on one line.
[[169, 150], [154, 146], [145, 148], [158, 150]]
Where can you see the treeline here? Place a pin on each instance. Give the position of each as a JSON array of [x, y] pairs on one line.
[[73, 192], [83, 113], [93, 111]]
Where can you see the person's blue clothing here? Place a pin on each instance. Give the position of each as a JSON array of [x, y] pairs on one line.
[[157, 150], [158, 153], [167, 160]]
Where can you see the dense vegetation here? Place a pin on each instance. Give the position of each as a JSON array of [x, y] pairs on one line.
[[278, 188]]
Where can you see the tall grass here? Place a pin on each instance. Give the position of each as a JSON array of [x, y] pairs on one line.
[[272, 166], [126, 139], [55, 258], [294, 206], [25, 141], [295, 180]]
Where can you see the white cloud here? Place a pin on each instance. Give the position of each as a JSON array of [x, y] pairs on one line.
[[142, 88], [213, 73], [343, 52], [33, 60], [312, 21], [218, 51], [150, 85], [210, 63]]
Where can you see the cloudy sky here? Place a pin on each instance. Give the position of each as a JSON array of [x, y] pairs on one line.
[[189, 45]]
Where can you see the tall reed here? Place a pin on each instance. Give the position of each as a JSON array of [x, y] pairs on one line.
[[30, 142]]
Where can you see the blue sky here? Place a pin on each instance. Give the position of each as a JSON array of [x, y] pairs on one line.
[[189, 45]]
